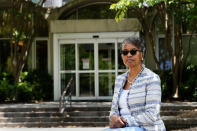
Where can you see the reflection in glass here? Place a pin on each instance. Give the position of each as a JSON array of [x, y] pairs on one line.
[[4, 54], [106, 84], [65, 78], [98, 11], [86, 56], [161, 55], [41, 55], [106, 56], [67, 57], [120, 61], [86, 84]]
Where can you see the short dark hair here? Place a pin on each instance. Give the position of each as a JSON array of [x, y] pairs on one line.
[[138, 42]]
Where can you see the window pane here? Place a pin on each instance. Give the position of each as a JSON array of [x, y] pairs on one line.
[[86, 84], [106, 56], [161, 53], [106, 84], [41, 55], [98, 11], [192, 58], [4, 54], [86, 56], [67, 57], [120, 61], [65, 78]]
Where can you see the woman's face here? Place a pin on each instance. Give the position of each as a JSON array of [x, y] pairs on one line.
[[129, 59]]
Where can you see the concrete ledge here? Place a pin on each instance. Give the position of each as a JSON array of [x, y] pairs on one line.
[[51, 129]]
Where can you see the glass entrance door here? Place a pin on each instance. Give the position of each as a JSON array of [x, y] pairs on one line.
[[106, 62], [86, 72], [77, 60], [93, 63]]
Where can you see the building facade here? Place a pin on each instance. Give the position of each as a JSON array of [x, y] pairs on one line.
[[84, 43]]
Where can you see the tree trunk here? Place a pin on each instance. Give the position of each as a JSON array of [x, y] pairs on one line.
[[143, 16]]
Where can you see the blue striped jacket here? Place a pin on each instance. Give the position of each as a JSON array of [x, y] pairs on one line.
[[143, 100]]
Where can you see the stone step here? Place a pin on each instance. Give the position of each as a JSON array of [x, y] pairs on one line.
[[55, 119], [53, 124], [75, 109], [86, 115], [30, 109], [30, 114], [55, 109], [79, 113], [170, 123], [177, 113]]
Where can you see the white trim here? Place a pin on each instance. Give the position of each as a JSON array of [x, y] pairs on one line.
[[107, 35], [76, 68], [96, 66], [57, 90], [107, 71], [49, 56], [4, 38], [92, 98], [33, 54], [116, 58]]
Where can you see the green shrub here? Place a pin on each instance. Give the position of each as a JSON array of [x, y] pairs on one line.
[[6, 87], [166, 84], [189, 83], [24, 92], [43, 84], [187, 89], [33, 85]]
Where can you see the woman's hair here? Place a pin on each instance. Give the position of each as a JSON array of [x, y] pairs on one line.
[[136, 41]]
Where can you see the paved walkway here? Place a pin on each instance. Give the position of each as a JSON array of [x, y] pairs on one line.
[[51, 129]]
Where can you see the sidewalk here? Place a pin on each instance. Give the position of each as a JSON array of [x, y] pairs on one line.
[[51, 129]]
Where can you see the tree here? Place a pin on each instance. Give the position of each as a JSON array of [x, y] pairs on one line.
[[21, 23], [172, 15]]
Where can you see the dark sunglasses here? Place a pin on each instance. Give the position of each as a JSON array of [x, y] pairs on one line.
[[132, 52]]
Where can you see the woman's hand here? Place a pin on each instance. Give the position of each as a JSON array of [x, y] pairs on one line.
[[117, 122]]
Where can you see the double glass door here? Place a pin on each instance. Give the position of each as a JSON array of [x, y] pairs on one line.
[[93, 64]]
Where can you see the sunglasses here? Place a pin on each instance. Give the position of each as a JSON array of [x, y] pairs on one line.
[[132, 52]]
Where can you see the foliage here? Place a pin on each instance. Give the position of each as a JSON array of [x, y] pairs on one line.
[[187, 90], [33, 85], [6, 87], [24, 91], [166, 84], [189, 83], [21, 23], [176, 18], [122, 6], [43, 83]]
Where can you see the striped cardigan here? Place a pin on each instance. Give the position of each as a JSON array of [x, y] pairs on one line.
[[143, 100]]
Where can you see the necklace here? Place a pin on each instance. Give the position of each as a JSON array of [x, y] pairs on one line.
[[129, 81]]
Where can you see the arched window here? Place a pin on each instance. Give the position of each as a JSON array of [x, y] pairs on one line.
[[94, 11]]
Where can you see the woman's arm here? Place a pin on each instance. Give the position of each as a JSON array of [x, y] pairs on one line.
[[116, 121], [152, 107]]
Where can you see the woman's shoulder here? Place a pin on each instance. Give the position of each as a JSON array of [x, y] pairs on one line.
[[151, 74]]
